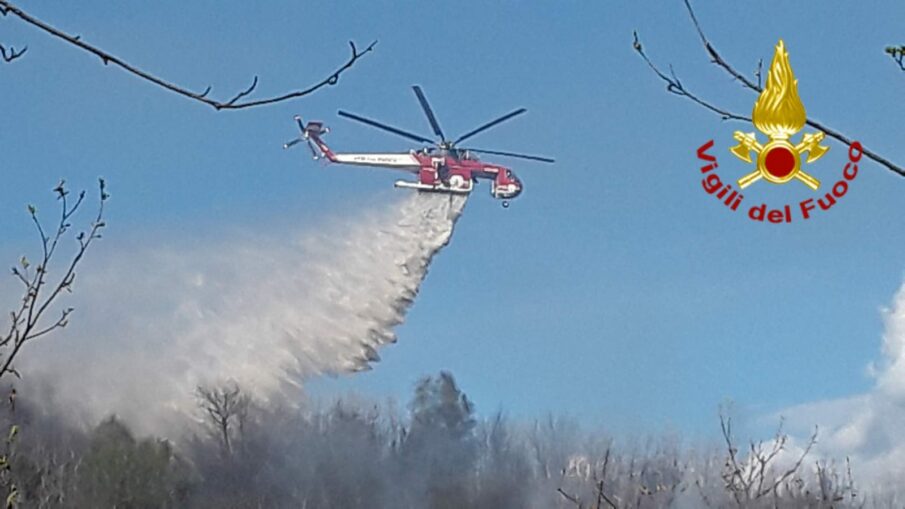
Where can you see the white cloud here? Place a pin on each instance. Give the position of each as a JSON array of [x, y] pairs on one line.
[[867, 427]]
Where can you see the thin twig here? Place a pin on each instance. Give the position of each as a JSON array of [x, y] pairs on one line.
[[898, 55], [571, 498], [12, 54], [759, 72], [675, 87], [231, 104], [794, 468], [26, 321], [735, 481], [714, 54], [601, 495]]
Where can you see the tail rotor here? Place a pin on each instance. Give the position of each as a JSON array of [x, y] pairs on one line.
[[305, 136]]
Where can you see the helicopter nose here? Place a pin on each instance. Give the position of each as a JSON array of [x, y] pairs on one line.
[[518, 187]]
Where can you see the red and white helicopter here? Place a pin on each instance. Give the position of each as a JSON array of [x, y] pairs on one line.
[[443, 167]]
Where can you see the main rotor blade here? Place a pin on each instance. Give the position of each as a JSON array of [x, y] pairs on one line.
[[510, 154], [488, 125], [374, 123], [427, 111]]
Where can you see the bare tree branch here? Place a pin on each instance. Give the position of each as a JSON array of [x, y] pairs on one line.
[[794, 468], [26, 322], [714, 55], [11, 54], [234, 103], [753, 477], [734, 481], [674, 86], [601, 494], [571, 498], [602, 497], [898, 55]]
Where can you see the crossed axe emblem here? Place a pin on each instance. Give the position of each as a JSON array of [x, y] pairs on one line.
[[778, 161]]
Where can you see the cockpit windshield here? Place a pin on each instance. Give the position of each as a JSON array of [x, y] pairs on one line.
[[466, 155]]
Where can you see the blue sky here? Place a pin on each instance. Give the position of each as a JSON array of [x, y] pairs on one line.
[[613, 290]]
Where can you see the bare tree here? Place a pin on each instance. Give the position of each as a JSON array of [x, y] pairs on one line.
[[225, 409], [755, 476], [676, 87], [237, 101], [27, 322]]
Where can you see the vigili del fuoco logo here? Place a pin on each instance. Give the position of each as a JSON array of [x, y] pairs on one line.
[[779, 114]]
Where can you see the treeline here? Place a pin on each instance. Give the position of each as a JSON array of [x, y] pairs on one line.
[[434, 454]]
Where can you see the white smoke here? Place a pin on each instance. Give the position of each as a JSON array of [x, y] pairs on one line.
[[868, 427], [266, 312]]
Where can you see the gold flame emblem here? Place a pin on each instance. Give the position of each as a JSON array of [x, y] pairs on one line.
[[779, 113]]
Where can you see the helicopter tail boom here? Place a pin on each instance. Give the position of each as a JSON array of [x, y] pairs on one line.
[[311, 134]]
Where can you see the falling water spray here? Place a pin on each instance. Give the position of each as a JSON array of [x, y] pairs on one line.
[[267, 313]]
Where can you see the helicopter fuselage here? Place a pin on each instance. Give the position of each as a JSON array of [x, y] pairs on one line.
[[447, 167], [449, 171]]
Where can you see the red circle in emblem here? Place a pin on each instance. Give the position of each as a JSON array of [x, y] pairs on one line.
[[779, 162]]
